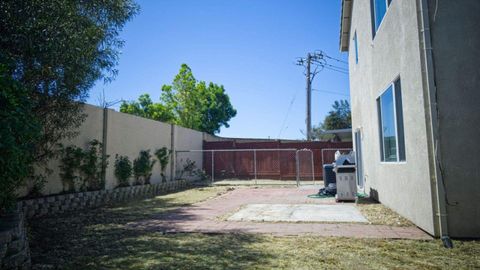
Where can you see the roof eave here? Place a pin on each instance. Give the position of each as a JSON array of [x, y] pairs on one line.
[[345, 22]]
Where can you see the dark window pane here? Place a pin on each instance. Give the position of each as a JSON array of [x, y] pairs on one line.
[[388, 125], [356, 47], [380, 8], [399, 108], [380, 133]]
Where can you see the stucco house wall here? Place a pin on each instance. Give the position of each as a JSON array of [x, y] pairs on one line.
[[393, 52], [455, 35]]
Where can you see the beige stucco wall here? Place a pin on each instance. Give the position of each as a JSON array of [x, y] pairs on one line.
[[187, 139], [127, 135], [91, 129], [455, 35], [395, 51]]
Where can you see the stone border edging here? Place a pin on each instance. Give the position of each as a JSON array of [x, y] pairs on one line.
[[14, 248], [55, 204]]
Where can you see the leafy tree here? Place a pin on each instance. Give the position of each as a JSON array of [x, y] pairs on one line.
[[147, 109], [19, 130], [339, 117], [188, 103], [59, 48]]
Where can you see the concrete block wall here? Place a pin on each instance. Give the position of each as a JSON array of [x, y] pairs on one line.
[[61, 203], [14, 248]]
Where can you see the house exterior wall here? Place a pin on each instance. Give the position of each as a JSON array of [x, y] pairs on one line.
[[394, 52], [455, 35]]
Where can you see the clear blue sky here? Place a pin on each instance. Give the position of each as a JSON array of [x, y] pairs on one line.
[[249, 46]]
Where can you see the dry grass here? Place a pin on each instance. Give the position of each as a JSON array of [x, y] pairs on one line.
[[379, 214], [99, 239]]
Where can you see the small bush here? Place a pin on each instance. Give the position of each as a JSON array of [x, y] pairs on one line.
[[163, 155], [142, 167], [82, 170], [123, 170]]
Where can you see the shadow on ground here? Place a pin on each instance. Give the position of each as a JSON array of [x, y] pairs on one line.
[[101, 238]]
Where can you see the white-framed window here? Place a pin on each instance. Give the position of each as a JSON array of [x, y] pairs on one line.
[[378, 10], [355, 42], [390, 122]]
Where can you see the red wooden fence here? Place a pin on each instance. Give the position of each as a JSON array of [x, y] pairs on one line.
[[273, 164]]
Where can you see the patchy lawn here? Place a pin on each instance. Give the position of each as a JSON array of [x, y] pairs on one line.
[[378, 214], [99, 239]]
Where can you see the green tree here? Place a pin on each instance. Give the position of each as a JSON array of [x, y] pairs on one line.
[[339, 117], [19, 131], [59, 49], [144, 107], [188, 103]]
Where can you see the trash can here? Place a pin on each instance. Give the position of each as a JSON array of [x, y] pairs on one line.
[[328, 175]]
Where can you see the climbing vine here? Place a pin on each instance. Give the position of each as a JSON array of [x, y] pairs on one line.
[[142, 168]]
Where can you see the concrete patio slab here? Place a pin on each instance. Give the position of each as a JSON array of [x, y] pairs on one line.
[[204, 217], [298, 213]]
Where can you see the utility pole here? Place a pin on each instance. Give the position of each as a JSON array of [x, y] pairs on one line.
[[317, 60], [308, 120]]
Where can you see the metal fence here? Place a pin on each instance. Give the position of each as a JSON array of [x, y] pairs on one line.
[[256, 166]]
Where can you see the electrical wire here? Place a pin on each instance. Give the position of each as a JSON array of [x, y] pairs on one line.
[[288, 112], [338, 60], [331, 92], [341, 71]]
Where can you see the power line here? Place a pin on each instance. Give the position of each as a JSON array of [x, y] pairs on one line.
[[338, 60], [288, 112], [339, 68], [331, 92], [341, 71]]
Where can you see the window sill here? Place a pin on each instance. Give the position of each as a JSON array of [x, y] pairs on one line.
[[393, 162]]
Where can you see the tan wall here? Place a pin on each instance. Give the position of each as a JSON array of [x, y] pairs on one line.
[[126, 135], [90, 130], [187, 139]]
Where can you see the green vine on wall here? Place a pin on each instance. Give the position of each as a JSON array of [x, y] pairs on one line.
[[163, 155], [123, 170], [142, 168], [81, 170]]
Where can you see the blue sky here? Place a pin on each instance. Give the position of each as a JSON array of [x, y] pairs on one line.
[[249, 46]]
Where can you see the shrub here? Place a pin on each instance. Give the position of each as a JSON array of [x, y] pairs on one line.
[[93, 166], [19, 132], [142, 167], [83, 169], [163, 155], [123, 170], [71, 161]]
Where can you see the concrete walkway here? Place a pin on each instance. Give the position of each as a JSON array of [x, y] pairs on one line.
[[204, 217]]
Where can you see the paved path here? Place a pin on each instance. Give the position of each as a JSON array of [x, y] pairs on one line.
[[204, 217]]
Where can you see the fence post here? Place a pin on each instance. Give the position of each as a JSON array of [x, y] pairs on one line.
[[298, 168], [213, 167], [104, 143], [313, 167], [255, 164], [173, 155]]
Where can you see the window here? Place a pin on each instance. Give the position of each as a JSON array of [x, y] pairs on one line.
[[390, 116], [356, 46], [378, 9]]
